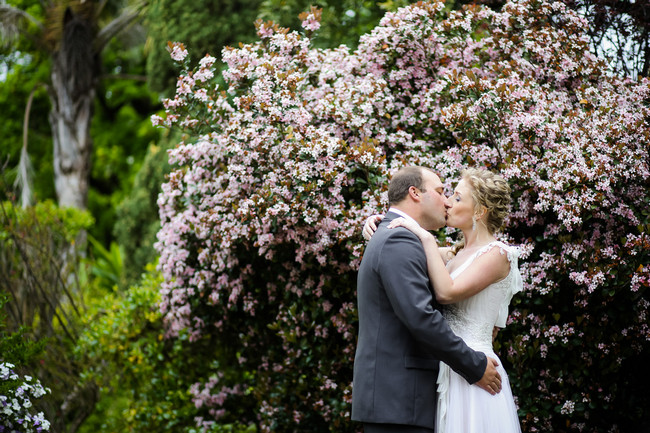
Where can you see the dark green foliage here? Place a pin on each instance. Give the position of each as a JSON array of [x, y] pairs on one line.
[[343, 22], [121, 132], [16, 347], [24, 75], [205, 25], [137, 215], [107, 266]]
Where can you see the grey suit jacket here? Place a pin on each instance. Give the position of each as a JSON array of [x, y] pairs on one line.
[[402, 335]]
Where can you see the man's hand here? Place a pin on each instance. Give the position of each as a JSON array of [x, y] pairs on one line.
[[491, 380]]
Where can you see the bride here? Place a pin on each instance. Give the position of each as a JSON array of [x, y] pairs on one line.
[[477, 279]]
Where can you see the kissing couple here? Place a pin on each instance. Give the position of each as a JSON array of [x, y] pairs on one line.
[[419, 367]]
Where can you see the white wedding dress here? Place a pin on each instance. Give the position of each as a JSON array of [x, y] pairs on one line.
[[465, 408]]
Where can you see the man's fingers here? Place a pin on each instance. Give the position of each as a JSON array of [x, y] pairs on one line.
[[497, 384]]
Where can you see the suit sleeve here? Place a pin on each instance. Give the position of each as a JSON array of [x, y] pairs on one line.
[[403, 270]]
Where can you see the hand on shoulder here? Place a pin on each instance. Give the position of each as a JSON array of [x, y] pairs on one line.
[[370, 226]]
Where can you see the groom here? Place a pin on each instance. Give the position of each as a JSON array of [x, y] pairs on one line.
[[402, 335]]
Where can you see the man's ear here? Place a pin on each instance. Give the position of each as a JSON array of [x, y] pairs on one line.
[[414, 193]]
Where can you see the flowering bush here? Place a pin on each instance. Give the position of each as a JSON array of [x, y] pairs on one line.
[[16, 392], [15, 402], [261, 217]]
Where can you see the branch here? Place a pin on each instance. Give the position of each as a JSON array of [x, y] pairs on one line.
[[23, 180], [117, 25], [645, 69]]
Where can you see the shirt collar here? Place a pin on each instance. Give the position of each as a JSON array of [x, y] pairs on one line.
[[402, 214]]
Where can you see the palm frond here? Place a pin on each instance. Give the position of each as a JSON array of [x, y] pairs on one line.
[[12, 22]]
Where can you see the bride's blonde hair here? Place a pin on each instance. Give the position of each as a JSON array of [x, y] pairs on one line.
[[491, 191]]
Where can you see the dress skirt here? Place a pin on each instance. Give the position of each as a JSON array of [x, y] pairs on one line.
[[465, 408]]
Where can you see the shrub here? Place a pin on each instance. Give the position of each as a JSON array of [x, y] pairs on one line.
[[17, 350], [261, 216], [40, 269], [16, 401], [145, 379]]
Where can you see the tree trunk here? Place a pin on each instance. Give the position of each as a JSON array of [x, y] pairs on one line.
[[74, 76]]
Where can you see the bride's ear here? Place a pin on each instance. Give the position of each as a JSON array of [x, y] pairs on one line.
[[480, 214]]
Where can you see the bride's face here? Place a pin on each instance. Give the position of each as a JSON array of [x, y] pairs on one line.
[[459, 215]]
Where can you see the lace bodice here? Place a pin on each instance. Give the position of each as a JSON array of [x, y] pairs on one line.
[[474, 318]]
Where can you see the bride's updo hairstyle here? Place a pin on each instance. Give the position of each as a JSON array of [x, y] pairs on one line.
[[491, 191]]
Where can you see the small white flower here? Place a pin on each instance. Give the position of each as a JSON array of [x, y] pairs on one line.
[[567, 408], [14, 406]]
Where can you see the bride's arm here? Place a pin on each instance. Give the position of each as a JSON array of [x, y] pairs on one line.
[[440, 279], [486, 269], [445, 254]]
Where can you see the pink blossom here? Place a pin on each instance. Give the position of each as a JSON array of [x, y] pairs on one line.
[[177, 51]]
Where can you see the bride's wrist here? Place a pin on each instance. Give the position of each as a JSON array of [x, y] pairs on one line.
[[426, 236]]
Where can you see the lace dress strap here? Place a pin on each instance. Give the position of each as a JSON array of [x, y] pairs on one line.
[[514, 280], [477, 253]]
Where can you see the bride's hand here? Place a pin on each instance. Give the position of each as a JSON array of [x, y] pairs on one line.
[[403, 222], [423, 234], [370, 226]]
